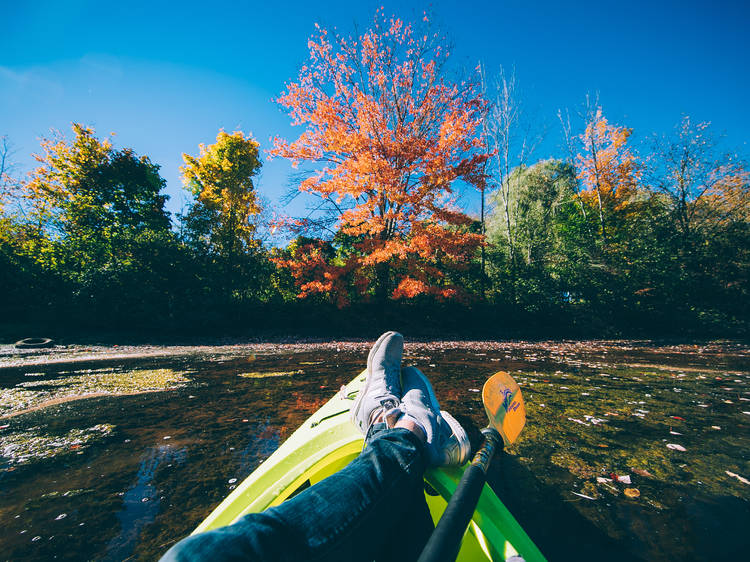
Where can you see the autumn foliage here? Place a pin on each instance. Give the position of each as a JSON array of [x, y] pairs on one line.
[[607, 168], [618, 235], [385, 138], [221, 179]]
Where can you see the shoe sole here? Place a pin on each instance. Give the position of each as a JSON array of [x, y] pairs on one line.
[[461, 435], [363, 392], [456, 428]]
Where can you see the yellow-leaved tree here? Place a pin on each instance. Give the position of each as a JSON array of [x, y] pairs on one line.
[[222, 220]]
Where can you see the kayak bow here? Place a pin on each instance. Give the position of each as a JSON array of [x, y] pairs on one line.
[[328, 441]]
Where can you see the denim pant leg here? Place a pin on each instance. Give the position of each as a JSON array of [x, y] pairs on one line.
[[414, 530], [348, 516]]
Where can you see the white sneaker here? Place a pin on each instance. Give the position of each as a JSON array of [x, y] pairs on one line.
[[382, 389], [447, 442]]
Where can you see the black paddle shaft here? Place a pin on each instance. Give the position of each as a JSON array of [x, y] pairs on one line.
[[445, 541]]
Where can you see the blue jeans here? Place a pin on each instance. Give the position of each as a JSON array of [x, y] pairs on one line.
[[373, 509]]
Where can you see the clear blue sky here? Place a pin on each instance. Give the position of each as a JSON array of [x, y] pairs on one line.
[[167, 76]]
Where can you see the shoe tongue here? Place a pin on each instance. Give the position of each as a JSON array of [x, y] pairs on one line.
[[392, 412], [389, 403]]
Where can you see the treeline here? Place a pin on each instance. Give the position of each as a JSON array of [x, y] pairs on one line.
[[606, 241]]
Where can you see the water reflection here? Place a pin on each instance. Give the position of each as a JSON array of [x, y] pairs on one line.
[[141, 502], [263, 439]]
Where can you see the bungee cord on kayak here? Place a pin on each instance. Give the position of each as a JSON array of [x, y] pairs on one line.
[[375, 507]]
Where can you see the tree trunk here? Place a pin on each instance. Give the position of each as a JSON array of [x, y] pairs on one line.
[[382, 280]]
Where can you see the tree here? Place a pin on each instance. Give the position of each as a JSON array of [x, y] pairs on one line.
[[386, 136], [221, 179], [542, 199], [607, 167], [705, 195], [512, 144], [6, 166], [541, 190], [222, 221], [705, 188], [92, 200]]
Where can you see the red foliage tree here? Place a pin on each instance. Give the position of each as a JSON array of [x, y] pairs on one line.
[[386, 136]]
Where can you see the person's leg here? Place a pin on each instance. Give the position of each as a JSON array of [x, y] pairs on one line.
[[347, 516], [448, 444], [352, 514], [415, 529]]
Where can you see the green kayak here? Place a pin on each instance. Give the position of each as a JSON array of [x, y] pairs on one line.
[[326, 443]]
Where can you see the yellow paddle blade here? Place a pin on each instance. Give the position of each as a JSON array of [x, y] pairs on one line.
[[504, 406]]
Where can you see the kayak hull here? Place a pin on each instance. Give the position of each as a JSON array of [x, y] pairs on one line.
[[328, 441]]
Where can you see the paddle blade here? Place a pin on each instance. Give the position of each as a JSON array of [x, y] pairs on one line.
[[504, 406]]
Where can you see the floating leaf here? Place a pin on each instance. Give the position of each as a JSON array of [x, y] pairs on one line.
[[632, 492], [738, 477]]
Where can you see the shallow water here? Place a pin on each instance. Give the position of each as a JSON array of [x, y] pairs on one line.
[[114, 477]]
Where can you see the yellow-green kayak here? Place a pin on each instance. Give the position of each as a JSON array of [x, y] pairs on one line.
[[326, 443]]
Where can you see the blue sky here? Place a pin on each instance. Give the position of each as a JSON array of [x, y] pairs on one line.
[[165, 76]]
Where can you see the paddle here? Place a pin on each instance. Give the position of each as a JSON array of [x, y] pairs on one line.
[[504, 406]]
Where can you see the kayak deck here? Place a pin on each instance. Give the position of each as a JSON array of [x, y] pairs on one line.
[[328, 441]]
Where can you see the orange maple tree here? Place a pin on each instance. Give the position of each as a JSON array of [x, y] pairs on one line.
[[607, 168], [385, 137]]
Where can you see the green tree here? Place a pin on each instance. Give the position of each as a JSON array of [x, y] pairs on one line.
[[526, 243], [87, 201]]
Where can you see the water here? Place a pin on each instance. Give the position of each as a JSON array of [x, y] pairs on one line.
[[115, 477]]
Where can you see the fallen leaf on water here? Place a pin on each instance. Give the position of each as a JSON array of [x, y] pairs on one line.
[[641, 472], [677, 418], [738, 477], [632, 492], [675, 447]]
